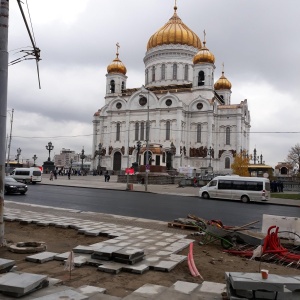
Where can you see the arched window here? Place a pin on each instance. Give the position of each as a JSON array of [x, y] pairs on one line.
[[201, 78], [199, 133], [136, 135], [227, 138], [112, 86], [123, 86], [186, 72], [142, 131], [168, 126], [118, 132], [164, 157], [153, 73], [147, 78], [163, 71], [227, 163], [174, 71]]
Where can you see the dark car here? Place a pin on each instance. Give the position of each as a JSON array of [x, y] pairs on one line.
[[12, 186]]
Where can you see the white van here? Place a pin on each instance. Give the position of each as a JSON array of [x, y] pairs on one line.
[[27, 175], [236, 187]]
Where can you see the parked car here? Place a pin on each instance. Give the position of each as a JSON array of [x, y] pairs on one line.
[[12, 186]]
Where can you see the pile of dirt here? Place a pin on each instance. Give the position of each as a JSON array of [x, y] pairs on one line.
[[210, 260]]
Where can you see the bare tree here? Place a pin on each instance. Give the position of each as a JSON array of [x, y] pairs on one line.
[[294, 157]]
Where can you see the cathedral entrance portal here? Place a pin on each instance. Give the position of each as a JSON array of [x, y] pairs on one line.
[[117, 161]]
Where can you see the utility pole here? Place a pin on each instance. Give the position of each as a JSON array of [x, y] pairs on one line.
[[4, 13]]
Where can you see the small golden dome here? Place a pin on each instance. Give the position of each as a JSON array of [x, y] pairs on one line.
[[204, 56], [174, 32], [223, 83], [116, 66]]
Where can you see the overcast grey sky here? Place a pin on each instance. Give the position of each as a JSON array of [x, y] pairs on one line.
[[258, 41]]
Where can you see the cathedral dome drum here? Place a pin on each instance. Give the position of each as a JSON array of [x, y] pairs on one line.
[[222, 83], [116, 66], [174, 32]]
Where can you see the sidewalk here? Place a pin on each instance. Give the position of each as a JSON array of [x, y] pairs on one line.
[[172, 189]]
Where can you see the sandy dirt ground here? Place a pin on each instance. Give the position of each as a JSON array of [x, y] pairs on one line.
[[210, 260]]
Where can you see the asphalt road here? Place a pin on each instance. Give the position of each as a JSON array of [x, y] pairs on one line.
[[148, 205]]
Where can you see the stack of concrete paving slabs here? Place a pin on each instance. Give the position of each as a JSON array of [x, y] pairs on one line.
[[128, 255], [252, 286], [6, 265], [16, 284], [105, 253]]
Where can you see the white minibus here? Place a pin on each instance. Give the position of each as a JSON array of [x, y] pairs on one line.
[[235, 187], [27, 175]]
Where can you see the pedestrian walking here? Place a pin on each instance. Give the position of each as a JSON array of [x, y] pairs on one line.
[[69, 174], [51, 175]]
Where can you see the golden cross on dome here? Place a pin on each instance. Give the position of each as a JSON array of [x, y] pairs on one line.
[[175, 7], [204, 41], [118, 46], [222, 68]]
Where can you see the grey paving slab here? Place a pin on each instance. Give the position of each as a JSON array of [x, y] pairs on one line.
[[147, 291], [6, 264], [94, 262], [122, 244], [177, 258], [110, 242], [93, 232], [83, 249], [184, 287], [17, 283], [90, 290], [80, 260], [111, 267], [138, 268], [212, 287], [104, 297], [165, 265], [67, 294], [62, 256], [41, 257]]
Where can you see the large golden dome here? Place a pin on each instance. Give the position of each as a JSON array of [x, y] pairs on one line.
[[223, 83], [174, 32], [116, 66], [204, 56]]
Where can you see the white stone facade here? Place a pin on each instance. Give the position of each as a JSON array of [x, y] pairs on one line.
[[186, 118]]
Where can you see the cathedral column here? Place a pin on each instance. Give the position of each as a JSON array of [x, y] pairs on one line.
[[209, 129], [239, 134], [178, 133]]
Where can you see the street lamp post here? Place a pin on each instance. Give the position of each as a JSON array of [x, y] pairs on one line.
[[18, 154], [147, 141], [209, 153], [138, 148], [34, 159], [49, 147], [99, 158], [82, 157]]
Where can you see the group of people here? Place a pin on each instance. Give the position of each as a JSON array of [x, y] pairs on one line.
[[276, 186]]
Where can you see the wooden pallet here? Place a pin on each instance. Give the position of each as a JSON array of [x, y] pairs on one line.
[[182, 226]]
